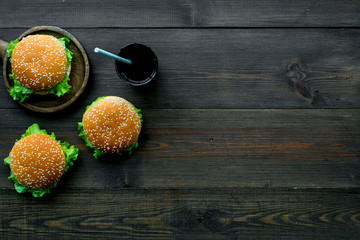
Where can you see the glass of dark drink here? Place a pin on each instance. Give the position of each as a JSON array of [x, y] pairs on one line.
[[144, 64]]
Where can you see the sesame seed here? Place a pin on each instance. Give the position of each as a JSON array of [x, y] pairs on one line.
[[38, 60], [37, 161], [112, 124]]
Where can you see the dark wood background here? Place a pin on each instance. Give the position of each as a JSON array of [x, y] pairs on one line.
[[251, 130]]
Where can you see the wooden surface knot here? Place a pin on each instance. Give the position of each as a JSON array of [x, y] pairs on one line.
[[298, 76]]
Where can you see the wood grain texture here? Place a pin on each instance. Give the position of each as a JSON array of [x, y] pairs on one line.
[[181, 13], [251, 130], [251, 68], [213, 148], [214, 213], [3, 47]]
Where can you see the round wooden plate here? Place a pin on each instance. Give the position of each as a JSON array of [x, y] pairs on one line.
[[79, 74]]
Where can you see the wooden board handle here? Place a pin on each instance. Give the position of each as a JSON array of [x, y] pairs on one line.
[[3, 47]]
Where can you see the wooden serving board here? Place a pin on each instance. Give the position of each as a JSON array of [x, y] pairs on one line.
[[79, 74]]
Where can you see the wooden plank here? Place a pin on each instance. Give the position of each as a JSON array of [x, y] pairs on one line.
[[252, 68], [215, 213], [181, 148], [181, 13]]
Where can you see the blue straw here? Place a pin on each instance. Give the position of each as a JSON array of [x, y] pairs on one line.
[[117, 58]]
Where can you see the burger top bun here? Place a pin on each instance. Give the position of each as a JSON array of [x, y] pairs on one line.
[[112, 124], [38, 62], [37, 161]]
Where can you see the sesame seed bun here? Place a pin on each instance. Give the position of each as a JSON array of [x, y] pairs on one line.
[[38, 62], [37, 161], [112, 124]]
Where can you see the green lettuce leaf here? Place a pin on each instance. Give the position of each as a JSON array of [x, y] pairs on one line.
[[71, 154], [97, 153], [23, 189], [42, 192], [7, 161], [11, 47], [18, 92], [82, 135], [130, 149], [61, 88], [34, 129], [138, 111], [65, 42], [18, 187]]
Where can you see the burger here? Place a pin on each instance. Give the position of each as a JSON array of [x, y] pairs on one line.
[[40, 64], [37, 161], [111, 125]]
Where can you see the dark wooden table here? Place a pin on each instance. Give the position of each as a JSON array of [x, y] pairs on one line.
[[251, 130]]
